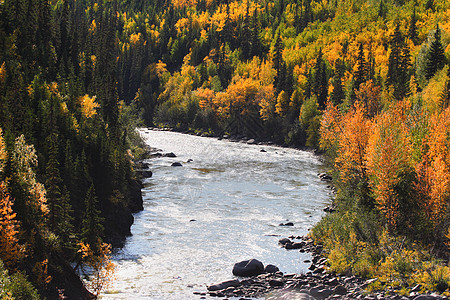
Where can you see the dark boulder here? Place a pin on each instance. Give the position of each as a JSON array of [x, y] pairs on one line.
[[325, 177], [146, 173], [271, 269], [294, 245], [340, 290], [248, 268], [176, 164], [171, 154], [276, 282], [284, 241], [262, 150], [286, 224], [224, 285]]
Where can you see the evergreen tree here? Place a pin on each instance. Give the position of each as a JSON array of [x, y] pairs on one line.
[[278, 63], [321, 81], [53, 182], [399, 63], [245, 33], [255, 45], [445, 96], [436, 56], [412, 30], [361, 67], [338, 93], [382, 11], [92, 224]]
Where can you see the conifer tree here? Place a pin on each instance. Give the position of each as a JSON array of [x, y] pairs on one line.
[[53, 181], [436, 56], [382, 10], [321, 81], [338, 93], [399, 63], [361, 68], [255, 45], [412, 30], [245, 33], [445, 97], [92, 224]]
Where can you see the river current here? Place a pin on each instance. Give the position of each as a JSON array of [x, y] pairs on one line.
[[223, 207]]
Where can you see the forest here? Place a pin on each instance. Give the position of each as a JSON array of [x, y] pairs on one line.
[[367, 82]]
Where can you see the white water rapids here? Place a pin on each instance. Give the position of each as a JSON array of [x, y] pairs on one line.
[[237, 196]]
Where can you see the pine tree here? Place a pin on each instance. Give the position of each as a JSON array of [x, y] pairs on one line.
[[338, 93], [382, 10], [52, 182], [445, 96], [255, 45], [361, 68], [436, 56], [399, 63], [412, 30], [245, 33], [278, 63], [92, 224], [321, 81]]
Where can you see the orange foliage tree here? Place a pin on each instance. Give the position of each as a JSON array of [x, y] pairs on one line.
[[347, 135], [10, 250], [434, 170], [389, 161]]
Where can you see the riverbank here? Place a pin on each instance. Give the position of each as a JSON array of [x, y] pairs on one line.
[[317, 283]]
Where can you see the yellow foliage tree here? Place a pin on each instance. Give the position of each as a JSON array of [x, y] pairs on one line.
[[88, 106], [100, 264]]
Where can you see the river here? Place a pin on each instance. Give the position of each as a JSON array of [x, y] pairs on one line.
[[223, 207]]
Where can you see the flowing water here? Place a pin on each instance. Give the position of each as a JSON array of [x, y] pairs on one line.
[[223, 207]]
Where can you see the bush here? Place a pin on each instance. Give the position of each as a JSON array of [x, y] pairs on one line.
[[16, 286]]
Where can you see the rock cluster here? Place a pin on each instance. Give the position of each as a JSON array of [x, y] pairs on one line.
[[315, 284]]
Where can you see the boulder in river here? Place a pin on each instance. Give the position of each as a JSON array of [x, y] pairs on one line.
[[248, 268], [171, 154], [251, 142], [176, 164], [224, 285], [146, 173], [271, 269], [325, 177], [285, 241], [286, 224]]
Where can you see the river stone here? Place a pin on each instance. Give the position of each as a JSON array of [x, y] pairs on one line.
[[251, 142], [340, 290], [320, 292], [276, 282], [176, 164], [171, 154], [271, 269], [248, 268], [294, 246], [224, 285], [285, 241]]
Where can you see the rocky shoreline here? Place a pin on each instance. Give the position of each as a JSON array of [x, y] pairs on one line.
[[317, 283]]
